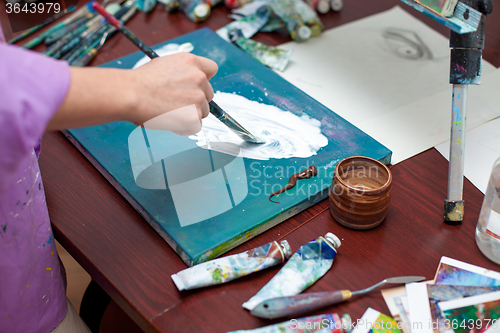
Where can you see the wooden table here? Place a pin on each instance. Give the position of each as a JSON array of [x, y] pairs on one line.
[[133, 264]]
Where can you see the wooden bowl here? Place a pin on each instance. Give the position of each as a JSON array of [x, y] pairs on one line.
[[360, 192]]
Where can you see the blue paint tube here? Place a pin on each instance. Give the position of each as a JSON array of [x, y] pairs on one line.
[[228, 268], [325, 323], [305, 267]]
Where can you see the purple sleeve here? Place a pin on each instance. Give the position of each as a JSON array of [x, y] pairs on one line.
[[32, 87]]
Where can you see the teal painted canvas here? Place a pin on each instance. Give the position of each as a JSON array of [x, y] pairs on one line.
[[208, 193]]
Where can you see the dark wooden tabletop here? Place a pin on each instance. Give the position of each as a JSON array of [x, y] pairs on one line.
[[133, 264]]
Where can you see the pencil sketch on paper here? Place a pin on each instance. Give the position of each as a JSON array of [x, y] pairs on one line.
[[406, 44]]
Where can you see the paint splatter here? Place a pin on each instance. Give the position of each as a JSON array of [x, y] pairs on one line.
[[286, 134]]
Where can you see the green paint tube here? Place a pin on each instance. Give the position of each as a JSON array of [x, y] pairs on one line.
[[248, 25], [309, 17], [228, 268], [286, 11], [270, 56]]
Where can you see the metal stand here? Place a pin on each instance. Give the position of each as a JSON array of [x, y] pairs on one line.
[[465, 69]]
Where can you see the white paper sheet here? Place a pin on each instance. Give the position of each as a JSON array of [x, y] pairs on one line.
[[420, 311], [376, 73], [482, 148]]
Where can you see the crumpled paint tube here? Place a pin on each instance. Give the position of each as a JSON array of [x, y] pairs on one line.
[[286, 11], [321, 6], [309, 17], [325, 323], [196, 10], [146, 5], [170, 5], [236, 3], [273, 24], [270, 56], [305, 267], [228, 268], [249, 25]]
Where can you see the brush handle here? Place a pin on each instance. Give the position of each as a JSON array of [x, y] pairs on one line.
[[293, 306], [216, 110], [123, 29]]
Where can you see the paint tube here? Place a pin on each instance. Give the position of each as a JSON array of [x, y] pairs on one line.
[[170, 5], [325, 323], [248, 25], [336, 5], [309, 17], [321, 6], [228, 268], [270, 56], [273, 24], [145, 5], [213, 3], [196, 10], [236, 3], [285, 10], [305, 267]]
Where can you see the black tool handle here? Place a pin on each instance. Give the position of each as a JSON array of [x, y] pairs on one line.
[[216, 110]]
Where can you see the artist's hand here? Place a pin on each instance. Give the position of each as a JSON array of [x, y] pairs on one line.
[[173, 93], [169, 93]]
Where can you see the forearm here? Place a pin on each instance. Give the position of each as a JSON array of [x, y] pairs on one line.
[[96, 96]]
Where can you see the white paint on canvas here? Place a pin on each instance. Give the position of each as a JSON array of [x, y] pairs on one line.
[[286, 135]]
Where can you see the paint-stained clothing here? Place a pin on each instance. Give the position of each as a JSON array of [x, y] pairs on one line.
[[33, 285]]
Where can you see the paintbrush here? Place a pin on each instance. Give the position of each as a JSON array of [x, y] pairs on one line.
[[76, 15], [96, 46], [41, 25], [220, 114]]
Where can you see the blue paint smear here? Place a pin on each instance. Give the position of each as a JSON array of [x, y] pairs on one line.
[[457, 110]]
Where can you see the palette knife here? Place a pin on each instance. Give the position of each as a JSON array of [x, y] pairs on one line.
[[302, 303]]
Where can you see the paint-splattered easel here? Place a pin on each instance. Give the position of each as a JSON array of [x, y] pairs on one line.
[[466, 21]]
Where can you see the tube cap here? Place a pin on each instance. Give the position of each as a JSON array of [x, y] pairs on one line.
[[287, 250], [333, 239], [178, 282], [337, 5], [304, 33], [201, 11], [323, 6]]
